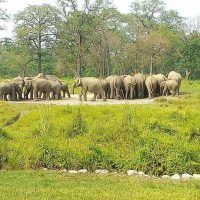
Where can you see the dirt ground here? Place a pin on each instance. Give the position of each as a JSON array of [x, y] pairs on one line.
[[74, 100]]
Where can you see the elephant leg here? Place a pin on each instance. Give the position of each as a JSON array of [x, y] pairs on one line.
[[108, 94], [63, 94], [39, 95], [59, 95], [165, 91], [20, 96], [94, 97], [173, 93], [103, 97], [131, 93], [117, 94], [80, 96], [5, 97], [68, 94], [47, 95], [127, 91], [85, 95], [31, 94], [176, 91], [35, 94], [112, 93], [149, 92]]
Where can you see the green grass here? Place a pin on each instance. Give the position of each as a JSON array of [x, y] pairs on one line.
[[159, 139], [59, 185]]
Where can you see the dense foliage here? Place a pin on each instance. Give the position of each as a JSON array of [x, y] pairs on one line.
[[98, 40]]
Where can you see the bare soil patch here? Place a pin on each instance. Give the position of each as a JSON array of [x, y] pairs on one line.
[[74, 100]]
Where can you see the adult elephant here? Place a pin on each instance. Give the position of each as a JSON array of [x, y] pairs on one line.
[[175, 76], [55, 89], [65, 89], [160, 78], [19, 81], [117, 88], [52, 77], [129, 84], [89, 84], [41, 86], [140, 85], [28, 88], [152, 85], [8, 88]]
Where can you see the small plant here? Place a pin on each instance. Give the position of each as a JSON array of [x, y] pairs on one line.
[[77, 125], [44, 126], [4, 134], [194, 134]]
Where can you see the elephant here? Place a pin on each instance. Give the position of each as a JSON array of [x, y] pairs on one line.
[[160, 78], [41, 85], [140, 85], [52, 77], [8, 88], [106, 88], [19, 81], [129, 83], [40, 75], [169, 85], [152, 85], [28, 88], [65, 89], [175, 76], [55, 89], [89, 84], [116, 86]]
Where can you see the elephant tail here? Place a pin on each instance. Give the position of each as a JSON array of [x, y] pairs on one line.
[[151, 85]]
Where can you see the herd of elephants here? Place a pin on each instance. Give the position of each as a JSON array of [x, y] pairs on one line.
[[113, 87]]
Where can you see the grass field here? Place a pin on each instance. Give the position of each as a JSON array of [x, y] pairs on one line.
[[162, 138], [59, 185]]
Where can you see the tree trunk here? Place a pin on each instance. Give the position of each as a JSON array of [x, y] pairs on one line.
[[39, 62], [151, 68], [39, 54], [187, 74], [78, 65], [78, 60]]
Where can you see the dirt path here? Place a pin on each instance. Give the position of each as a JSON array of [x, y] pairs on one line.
[[74, 100]]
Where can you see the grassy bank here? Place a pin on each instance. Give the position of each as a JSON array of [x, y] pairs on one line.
[[57, 185], [158, 139]]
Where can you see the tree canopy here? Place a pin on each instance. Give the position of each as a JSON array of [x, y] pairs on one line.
[[98, 40]]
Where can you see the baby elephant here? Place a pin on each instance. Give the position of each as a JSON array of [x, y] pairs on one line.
[[169, 85]]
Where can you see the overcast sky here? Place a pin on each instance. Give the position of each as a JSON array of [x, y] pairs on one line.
[[186, 8]]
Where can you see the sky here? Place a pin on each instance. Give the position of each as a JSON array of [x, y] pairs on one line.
[[186, 8]]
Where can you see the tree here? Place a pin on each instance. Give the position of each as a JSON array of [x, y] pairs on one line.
[[36, 28], [3, 15], [147, 12], [78, 25], [171, 19], [191, 57]]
